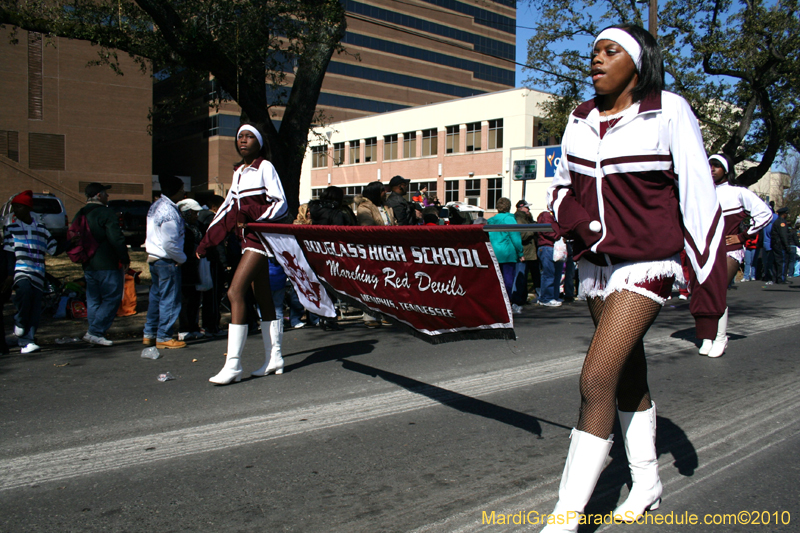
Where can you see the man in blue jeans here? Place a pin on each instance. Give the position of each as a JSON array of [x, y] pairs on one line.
[[551, 271], [105, 270], [164, 246], [768, 256]]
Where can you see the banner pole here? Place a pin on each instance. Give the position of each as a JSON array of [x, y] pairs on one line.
[[535, 228]]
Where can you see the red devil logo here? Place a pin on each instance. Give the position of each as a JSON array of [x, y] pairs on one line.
[[310, 289]]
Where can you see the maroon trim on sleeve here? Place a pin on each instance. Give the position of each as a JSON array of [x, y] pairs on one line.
[[710, 297], [703, 258]]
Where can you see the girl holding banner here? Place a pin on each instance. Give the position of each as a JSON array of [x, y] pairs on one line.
[[632, 202], [256, 194]]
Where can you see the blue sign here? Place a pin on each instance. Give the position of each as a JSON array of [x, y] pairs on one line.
[[552, 157]]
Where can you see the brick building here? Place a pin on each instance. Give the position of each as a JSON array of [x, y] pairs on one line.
[[64, 124]]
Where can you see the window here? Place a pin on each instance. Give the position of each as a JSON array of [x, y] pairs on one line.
[[353, 190], [410, 144], [338, 153], [355, 152], [9, 144], [315, 193], [418, 186], [451, 191], [452, 140], [494, 190], [389, 147], [45, 151], [220, 124], [318, 156], [473, 137], [430, 142], [495, 134], [473, 189], [370, 149]]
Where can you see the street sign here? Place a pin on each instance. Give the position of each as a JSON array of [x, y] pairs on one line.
[[524, 170]]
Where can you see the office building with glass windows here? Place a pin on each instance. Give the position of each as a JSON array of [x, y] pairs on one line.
[[399, 54], [472, 150]]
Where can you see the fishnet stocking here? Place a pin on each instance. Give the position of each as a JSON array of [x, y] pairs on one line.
[[615, 371]]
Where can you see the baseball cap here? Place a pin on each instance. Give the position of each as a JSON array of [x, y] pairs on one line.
[[23, 198], [188, 204], [523, 203], [93, 189], [397, 180]]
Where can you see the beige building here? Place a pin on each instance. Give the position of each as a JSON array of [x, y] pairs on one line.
[[64, 124], [463, 150], [772, 186]]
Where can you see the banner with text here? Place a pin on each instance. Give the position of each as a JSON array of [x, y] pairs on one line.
[[442, 282]]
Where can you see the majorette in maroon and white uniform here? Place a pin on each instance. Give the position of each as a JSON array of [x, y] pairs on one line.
[[645, 178], [257, 192], [738, 203]]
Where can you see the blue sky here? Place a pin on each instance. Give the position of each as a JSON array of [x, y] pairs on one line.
[[526, 16]]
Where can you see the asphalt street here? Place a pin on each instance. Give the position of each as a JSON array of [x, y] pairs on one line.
[[374, 430]]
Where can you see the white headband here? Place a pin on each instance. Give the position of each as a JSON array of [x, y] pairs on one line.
[[248, 127], [721, 160], [626, 41]]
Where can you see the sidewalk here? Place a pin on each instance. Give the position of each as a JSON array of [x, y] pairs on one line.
[[50, 328], [126, 327]]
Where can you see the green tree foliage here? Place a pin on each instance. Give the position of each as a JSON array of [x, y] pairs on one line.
[[736, 63], [253, 50]]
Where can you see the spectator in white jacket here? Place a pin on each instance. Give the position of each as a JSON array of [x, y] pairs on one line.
[[164, 246]]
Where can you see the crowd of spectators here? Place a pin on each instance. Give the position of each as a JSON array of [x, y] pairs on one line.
[[186, 298]]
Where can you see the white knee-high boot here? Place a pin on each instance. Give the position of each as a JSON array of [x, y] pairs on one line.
[[585, 460], [232, 371], [721, 342], [273, 337], [705, 348], [639, 430]]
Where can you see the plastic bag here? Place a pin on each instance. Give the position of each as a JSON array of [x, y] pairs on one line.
[[76, 309], [61, 310], [166, 376], [206, 281], [127, 306], [559, 251], [151, 353]]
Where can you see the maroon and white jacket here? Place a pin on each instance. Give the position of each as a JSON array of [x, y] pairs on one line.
[[256, 195], [648, 183], [737, 204]]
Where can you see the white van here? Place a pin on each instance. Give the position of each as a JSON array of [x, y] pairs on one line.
[[48, 210]]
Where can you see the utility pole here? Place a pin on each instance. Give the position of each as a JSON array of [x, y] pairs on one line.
[[653, 16]]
